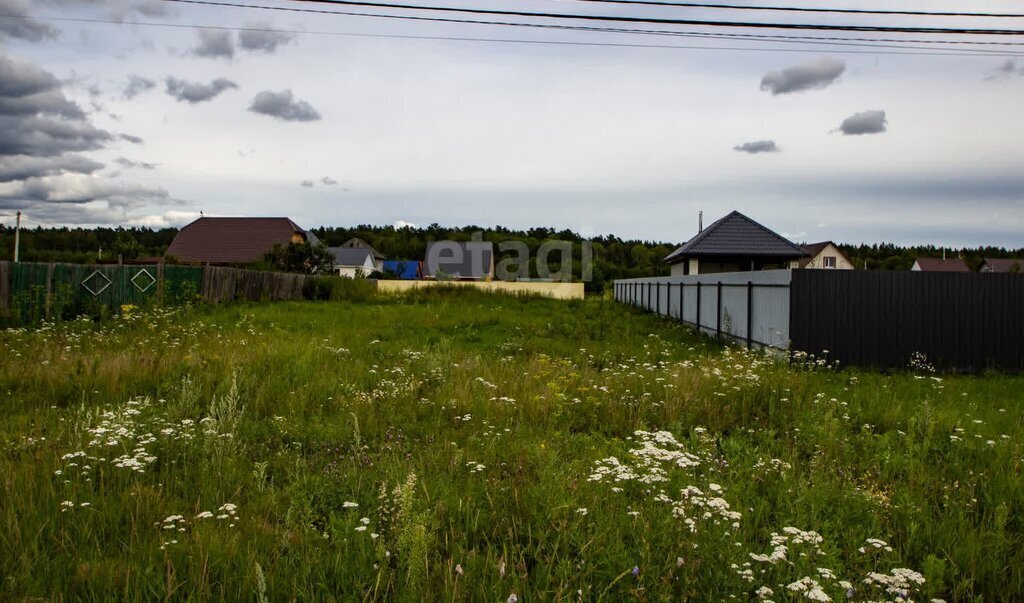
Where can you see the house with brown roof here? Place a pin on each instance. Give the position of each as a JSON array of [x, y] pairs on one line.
[[1011, 265], [234, 240], [826, 256], [940, 265], [734, 243]]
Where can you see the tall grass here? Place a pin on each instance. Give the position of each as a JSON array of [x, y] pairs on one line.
[[456, 445]]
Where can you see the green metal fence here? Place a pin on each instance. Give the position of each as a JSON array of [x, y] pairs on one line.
[[36, 291]]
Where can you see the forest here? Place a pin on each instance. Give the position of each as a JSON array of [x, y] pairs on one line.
[[614, 257]]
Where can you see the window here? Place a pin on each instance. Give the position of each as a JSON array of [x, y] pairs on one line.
[[829, 261]]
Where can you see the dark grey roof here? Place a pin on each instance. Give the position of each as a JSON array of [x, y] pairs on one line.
[[348, 256], [357, 243], [736, 235], [471, 259]]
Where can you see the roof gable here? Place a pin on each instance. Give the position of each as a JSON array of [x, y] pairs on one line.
[[232, 240], [736, 235], [357, 243], [813, 250]]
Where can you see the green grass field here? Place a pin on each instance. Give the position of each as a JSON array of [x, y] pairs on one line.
[[457, 446]]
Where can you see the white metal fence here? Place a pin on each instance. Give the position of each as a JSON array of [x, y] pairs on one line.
[[752, 307]]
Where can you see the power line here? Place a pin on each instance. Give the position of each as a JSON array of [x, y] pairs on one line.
[[928, 52], [653, 20], [800, 9], [782, 38]]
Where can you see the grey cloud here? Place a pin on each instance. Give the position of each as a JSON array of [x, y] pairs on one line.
[[25, 89], [22, 25], [142, 165], [52, 101], [43, 136], [195, 92], [815, 74], [282, 106], [20, 78], [306, 183], [20, 167], [131, 139], [757, 146], [120, 9], [329, 181], [137, 85], [865, 122], [1006, 69], [260, 38], [214, 43], [81, 188]]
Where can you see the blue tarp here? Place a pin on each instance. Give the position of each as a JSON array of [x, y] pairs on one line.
[[405, 269]]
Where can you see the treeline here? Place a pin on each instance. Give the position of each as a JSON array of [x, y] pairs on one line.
[[613, 257], [886, 256], [85, 245]]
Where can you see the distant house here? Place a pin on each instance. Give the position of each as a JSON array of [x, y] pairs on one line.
[[354, 262], [1015, 265], [734, 243], [940, 265], [234, 240], [825, 255], [409, 270], [357, 243], [466, 261]]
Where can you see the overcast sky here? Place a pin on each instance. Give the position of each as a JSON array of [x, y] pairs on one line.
[[121, 112]]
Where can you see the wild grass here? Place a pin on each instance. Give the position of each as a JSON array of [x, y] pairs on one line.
[[457, 446]]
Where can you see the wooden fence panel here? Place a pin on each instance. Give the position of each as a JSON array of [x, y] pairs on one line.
[[965, 322], [222, 284]]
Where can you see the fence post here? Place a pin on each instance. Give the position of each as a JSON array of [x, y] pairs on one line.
[[750, 311], [718, 320], [657, 299], [160, 282], [698, 307], [681, 319], [49, 291], [648, 306]]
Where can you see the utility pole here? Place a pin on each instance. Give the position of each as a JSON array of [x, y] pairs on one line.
[[17, 236]]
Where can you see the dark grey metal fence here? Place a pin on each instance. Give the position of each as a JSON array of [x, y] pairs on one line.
[[966, 322], [960, 322]]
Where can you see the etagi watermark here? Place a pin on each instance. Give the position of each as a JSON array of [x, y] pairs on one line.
[[476, 258]]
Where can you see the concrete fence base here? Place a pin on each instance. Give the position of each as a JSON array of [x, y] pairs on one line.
[[553, 290]]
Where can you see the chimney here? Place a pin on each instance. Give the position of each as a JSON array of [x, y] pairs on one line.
[[700, 222]]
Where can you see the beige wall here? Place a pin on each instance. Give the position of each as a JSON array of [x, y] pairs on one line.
[[831, 250], [555, 290]]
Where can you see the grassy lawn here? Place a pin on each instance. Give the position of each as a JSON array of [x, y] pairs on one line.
[[458, 446]]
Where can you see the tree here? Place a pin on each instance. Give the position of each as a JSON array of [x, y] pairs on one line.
[[300, 257]]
